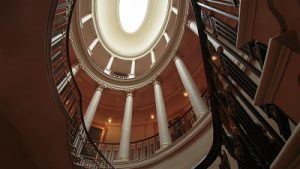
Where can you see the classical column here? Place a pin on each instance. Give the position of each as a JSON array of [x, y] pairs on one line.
[[198, 103], [91, 110], [153, 59], [126, 129], [67, 79], [109, 64], [164, 135], [85, 19], [193, 26], [132, 69]]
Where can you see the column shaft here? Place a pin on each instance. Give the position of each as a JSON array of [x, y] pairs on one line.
[[164, 135], [198, 103], [91, 110], [67, 79], [126, 129]]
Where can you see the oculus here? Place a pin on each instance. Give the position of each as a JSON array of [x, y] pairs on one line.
[[132, 14]]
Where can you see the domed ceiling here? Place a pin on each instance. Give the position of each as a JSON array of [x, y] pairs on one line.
[[158, 63], [124, 46], [130, 29]]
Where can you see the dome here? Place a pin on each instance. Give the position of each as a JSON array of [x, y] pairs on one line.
[[120, 56], [112, 18]]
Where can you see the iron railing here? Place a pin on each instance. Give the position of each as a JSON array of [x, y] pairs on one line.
[[68, 91], [146, 148], [247, 134]]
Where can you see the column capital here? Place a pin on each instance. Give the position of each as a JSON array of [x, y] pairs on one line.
[[156, 81], [100, 88], [129, 93], [77, 66], [188, 22], [177, 57]]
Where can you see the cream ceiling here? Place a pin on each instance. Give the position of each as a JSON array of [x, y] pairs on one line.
[[122, 44]]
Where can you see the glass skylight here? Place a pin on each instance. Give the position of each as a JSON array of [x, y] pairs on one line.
[[132, 14]]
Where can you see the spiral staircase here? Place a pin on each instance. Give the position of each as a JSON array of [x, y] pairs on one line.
[[231, 99]]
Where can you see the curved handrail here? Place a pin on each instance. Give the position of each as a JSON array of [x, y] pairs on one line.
[[217, 125], [147, 138], [78, 90], [60, 20]]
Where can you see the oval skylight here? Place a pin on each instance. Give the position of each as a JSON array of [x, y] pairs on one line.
[[132, 14]]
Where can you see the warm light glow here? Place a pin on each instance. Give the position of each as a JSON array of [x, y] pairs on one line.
[[152, 116], [109, 120], [185, 94], [132, 14], [214, 58]]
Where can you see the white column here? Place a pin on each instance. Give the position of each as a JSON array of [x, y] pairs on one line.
[[153, 60], [85, 19], [193, 26], [167, 38], [92, 46], [109, 64], [175, 10], [126, 129], [164, 135], [75, 69], [132, 69], [198, 103], [67, 79], [91, 110]]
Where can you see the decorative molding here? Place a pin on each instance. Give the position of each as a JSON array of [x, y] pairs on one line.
[[247, 14]]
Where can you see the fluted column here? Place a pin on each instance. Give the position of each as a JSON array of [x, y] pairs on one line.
[[126, 129], [198, 103], [91, 110], [192, 25], [164, 135]]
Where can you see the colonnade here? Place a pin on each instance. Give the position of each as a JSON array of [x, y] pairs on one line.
[[197, 102]]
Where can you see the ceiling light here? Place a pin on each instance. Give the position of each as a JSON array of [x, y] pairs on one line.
[[109, 120], [152, 116], [185, 94], [214, 58]]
